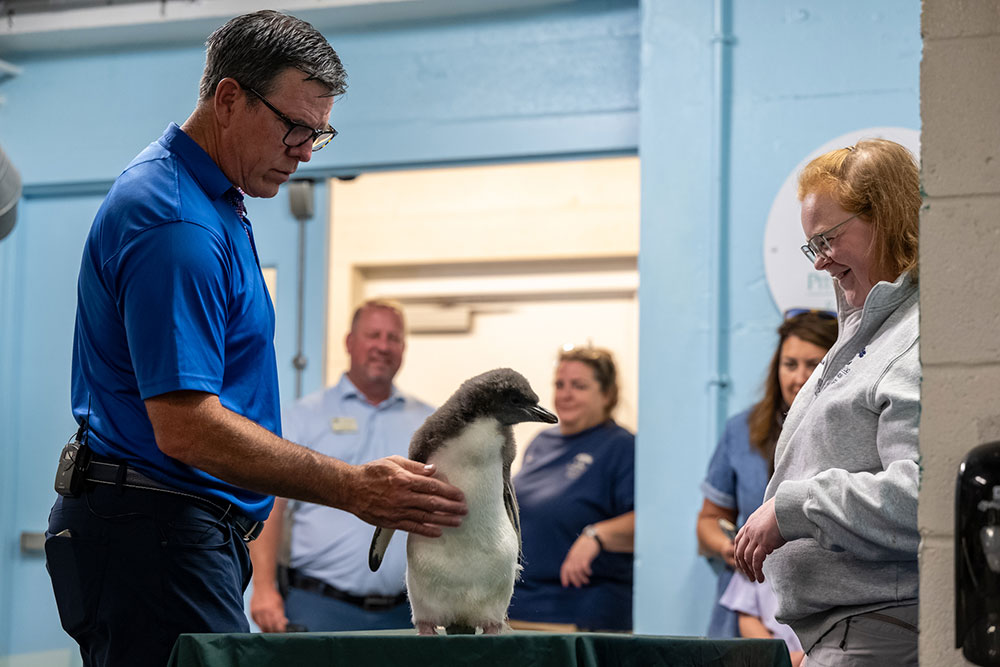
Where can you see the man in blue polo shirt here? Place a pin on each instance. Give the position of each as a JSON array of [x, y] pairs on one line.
[[362, 417], [174, 374]]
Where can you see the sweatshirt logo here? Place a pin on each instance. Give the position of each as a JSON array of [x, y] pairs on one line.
[[841, 373]]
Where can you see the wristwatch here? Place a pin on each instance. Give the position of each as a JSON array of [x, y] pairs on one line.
[[591, 531]]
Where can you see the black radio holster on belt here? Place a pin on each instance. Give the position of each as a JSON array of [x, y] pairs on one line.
[[73, 462]]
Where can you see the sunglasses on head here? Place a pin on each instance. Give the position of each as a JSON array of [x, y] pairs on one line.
[[822, 314]]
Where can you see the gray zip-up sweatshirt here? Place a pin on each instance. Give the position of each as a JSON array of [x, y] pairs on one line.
[[846, 472]]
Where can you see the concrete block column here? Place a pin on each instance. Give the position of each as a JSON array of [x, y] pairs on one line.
[[960, 284]]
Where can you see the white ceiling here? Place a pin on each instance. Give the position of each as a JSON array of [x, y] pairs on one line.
[[164, 22]]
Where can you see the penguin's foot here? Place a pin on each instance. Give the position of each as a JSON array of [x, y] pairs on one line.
[[492, 628], [425, 628]]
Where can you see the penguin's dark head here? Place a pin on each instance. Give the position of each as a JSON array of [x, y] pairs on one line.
[[505, 394]]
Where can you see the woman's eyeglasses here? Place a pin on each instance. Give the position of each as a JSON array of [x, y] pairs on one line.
[[819, 245]]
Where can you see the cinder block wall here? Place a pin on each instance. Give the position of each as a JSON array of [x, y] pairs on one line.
[[960, 283]]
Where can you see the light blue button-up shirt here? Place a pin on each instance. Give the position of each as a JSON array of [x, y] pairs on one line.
[[329, 544]]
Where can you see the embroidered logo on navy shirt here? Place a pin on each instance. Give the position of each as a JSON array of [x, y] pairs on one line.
[[579, 465]]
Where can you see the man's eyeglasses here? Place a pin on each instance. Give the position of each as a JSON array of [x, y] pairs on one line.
[[819, 245], [299, 134]]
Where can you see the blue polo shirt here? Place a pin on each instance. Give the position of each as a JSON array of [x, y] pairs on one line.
[[566, 483], [330, 544], [171, 297]]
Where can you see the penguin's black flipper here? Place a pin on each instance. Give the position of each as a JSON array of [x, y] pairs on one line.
[[380, 542], [513, 513]]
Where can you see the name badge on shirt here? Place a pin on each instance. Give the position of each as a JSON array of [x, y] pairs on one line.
[[344, 425]]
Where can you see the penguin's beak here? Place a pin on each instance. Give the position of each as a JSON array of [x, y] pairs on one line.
[[533, 413]]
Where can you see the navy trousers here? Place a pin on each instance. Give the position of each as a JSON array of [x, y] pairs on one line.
[[133, 568], [318, 613]]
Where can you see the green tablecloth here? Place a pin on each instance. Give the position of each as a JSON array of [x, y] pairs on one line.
[[530, 649]]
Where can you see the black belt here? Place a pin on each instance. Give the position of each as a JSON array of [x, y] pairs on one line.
[[108, 471], [366, 602]]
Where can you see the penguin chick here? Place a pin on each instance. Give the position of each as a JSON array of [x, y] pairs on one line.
[[465, 578]]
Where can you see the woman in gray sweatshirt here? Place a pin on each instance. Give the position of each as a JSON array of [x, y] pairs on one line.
[[838, 527]]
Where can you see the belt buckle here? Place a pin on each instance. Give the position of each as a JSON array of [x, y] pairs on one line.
[[374, 603], [380, 602]]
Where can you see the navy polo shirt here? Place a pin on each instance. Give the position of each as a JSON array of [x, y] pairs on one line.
[[566, 483], [171, 297]]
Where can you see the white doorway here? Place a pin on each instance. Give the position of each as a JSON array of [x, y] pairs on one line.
[[495, 266]]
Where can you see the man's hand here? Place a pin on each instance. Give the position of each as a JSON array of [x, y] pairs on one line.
[[398, 493], [268, 610], [393, 492], [758, 537], [575, 570]]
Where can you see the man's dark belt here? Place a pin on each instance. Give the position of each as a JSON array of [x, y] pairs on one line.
[[107, 471], [366, 602]]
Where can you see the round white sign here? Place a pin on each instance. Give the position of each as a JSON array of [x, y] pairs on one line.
[[791, 278]]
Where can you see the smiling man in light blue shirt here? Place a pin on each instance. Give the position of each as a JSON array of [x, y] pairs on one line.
[[361, 418]]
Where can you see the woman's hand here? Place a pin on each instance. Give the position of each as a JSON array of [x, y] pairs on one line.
[[575, 570], [712, 542], [758, 537], [617, 535], [728, 553]]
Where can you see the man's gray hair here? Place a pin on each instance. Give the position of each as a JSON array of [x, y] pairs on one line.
[[255, 48]]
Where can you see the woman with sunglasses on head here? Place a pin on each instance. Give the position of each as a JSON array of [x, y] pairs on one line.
[[576, 496], [744, 458], [837, 533]]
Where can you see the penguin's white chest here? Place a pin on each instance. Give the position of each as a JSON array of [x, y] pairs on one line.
[[467, 575]]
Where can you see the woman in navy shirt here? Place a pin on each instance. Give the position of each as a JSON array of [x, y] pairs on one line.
[[744, 458], [575, 492]]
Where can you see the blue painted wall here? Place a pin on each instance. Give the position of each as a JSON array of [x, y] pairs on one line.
[[589, 78], [733, 96], [678, 266]]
